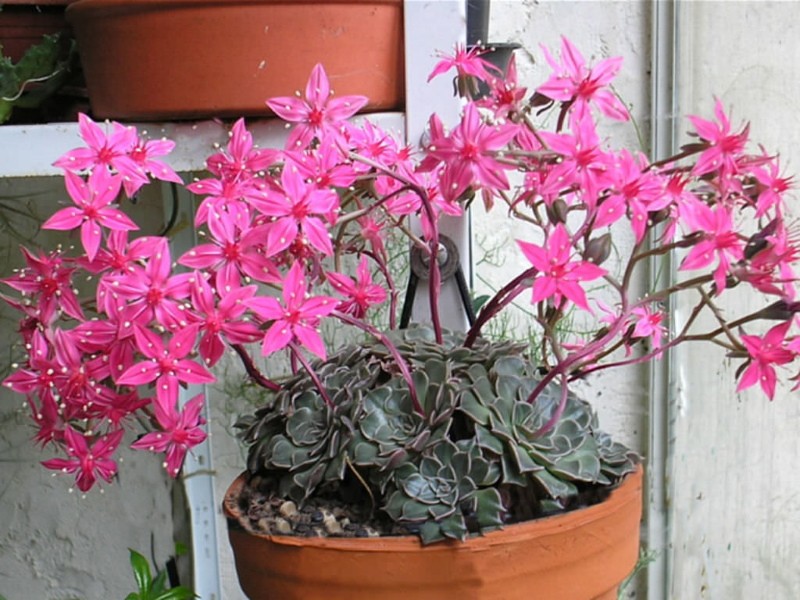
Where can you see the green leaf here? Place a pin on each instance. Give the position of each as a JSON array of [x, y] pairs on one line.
[[473, 408], [141, 572], [159, 584], [488, 441], [177, 593], [490, 508], [478, 302], [454, 527], [181, 549], [421, 382]]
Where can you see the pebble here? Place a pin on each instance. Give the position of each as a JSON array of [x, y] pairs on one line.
[[332, 526], [288, 509], [283, 526]]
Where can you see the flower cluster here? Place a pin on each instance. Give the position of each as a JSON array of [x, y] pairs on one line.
[[296, 235]]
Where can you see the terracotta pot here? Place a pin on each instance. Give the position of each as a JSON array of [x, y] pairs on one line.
[[580, 555], [176, 59], [24, 22]]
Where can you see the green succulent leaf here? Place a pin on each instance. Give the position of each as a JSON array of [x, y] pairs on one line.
[[489, 508], [443, 472], [488, 441]]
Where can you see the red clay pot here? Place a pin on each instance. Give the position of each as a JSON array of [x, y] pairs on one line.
[[24, 22], [177, 59], [580, 555]]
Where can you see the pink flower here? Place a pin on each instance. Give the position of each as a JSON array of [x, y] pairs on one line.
[[92, 212], [241, 159], [110, 151], [47, 284], [153, 292], [297, 318], [119, 255], [469, 152], [119, 408], [373, 232], [233, 253], [583, 164], [227, 196], [466, 62], [773, 187], [181, 431], [559, 277], [636, 189], [647, 324], [379, 146], [718, 240], [505, 97], [766, 351], [38, 377], [221, 319], [318, 113], [296, 213], [572, 81], [168, 365], [87, 462], [79, 376], [724, 148], [144, 153], [360, 294], [324, 166]]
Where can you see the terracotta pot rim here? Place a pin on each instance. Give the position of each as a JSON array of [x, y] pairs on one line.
[[78, 6], [628, 492]]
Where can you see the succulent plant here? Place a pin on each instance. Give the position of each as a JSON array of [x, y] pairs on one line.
[[458, 468]]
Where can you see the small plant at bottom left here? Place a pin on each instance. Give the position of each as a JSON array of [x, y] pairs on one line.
[[154, 588]]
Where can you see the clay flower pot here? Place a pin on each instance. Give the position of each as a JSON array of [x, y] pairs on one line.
[[579, 555], [178, 59], [24, 22]]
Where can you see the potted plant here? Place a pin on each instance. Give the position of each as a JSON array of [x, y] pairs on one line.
[[420, 461]]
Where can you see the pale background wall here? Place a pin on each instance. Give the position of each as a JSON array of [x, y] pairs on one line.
[[57, 545], [736, 497], [733, 495]]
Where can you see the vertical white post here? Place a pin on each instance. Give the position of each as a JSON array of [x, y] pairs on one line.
[[662, 379], [198, 472], [433, 26]]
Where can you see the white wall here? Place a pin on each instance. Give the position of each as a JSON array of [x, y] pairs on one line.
[[57, 545], [735, 509]]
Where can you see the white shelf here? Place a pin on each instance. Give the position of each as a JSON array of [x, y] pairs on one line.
[[30, 150]]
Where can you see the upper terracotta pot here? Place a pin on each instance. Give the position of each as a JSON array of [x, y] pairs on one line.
[[580, 555], [176, 59]]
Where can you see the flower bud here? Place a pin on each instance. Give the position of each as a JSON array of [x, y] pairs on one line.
[[557, 211], [598, 249]]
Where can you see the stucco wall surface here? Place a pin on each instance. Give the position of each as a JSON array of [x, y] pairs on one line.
[[56, 544], [735, 493]]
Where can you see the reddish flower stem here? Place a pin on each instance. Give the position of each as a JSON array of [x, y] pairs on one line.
[[500, 300], [297, 353], [398, 358], [253, 371]]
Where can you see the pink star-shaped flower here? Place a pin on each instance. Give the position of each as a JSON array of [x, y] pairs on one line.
[[316, 113], [559, 276], [297, 318], [180, 432]]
